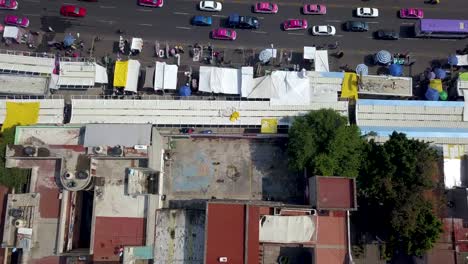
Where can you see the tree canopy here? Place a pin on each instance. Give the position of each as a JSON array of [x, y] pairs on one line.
[[324, 142], [392, 185]]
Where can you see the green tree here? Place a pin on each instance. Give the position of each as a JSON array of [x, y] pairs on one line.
[[323, 142], [393, 181]]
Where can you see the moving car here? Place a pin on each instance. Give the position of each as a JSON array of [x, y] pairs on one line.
[[323, 30], [367, 12], [151, 3], [201, 21], [314, 9], [266, 8], [210, 6], [16, 21], [295, 24], [356, 26], [224, 33], [414, 13], [387, 34], [8, 4], [247, 22], [72, 11]]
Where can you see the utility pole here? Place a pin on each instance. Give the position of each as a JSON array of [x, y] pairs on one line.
[[92, 47]]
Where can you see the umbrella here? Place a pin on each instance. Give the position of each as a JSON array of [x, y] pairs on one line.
[[362, 69], [443, 95], [439, 73], [383, 57], [452, 60], [265, 55], [432, 94], [430, 75], [68, 40], [185, 91], [396, 70]]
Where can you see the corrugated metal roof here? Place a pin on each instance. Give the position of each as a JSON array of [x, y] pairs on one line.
[[127, 135]]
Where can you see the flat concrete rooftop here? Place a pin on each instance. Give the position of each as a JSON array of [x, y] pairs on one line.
[[230, 168]]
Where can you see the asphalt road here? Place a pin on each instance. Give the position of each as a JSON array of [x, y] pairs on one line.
[[172, 23]]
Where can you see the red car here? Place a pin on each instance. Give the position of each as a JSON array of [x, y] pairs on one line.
[[151, 3], [314, 9], [414, 13], [8, 4], [295, 24], [224, 33], [72, 11], [266, 8]]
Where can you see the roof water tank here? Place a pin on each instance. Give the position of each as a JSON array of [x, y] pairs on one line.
[[69, 175], [20, 223]]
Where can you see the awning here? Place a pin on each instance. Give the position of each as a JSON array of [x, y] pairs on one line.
[[149, 78], [219, 80], [101, 74], [11, 32], [126, 75], [76, 74], [137, 44], [321, 61], [165, 76], [309, 53], [120, 73]]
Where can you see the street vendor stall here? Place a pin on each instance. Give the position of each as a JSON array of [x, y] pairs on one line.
[[137, 46]]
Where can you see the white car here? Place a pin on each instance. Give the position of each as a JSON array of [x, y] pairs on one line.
[[211, 6], [323, 30], [367, 12]]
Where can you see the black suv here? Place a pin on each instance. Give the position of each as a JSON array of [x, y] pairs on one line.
[[387, 34], [247, 22], [358, 26]]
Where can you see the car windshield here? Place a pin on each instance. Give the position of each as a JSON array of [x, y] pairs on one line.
[[7, 2], [227, 33], [215, 5], [329, 29], [19, 20], [76, 10], [155, 1], [318, 7], [270, 6]]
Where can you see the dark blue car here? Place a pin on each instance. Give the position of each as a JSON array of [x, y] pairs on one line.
[[201, 21]]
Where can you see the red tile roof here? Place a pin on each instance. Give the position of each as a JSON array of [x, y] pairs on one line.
[[225, 233], [331, 245], [3, 203], [335, 193], [48, 260], [254, 234], [111, 233]]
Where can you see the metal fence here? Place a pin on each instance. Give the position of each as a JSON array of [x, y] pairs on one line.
[[167, 97], [27, 53]]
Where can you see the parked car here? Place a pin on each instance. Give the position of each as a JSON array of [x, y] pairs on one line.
[[314, 9], [8, 4], [266, 8], [295, 24], [16, 21], [247, 22], [151, 3], [387, 34], [224, 33], [323, 30], [413, 13], [211, 6], [72, 11], [356, 26], [201, 21], [367, 12]]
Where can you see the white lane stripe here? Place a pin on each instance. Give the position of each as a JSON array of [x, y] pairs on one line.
[[407, 23], [339, 36], [106, 21], [33, 1], [410, 38], [107, 6], [146, 25], [260, 32], [372, 22], [32, 15], [144, 10], [186, 28], [297, 34], [260, 17], [68, 4], [219, 16], [333, 21], [181, 13], [448, 39]]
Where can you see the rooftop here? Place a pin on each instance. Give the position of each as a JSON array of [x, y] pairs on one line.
[[127, 135], [333, 193]]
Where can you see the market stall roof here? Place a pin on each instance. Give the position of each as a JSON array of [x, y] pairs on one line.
[[219, 80], [149, 78], [13, 63], [76, 74], [165, 76], [11, 32], [321, 61], [101, 74], [137, 44], [309, 53], [126, 75]]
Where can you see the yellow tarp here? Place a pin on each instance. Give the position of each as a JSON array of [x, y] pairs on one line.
[[269, 126], [234, 116], [349, 88], [120, 73], [20, 114], [436, 84]]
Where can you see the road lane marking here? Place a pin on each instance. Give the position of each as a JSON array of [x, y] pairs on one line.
[[448, 39], [260, 17], [146, 25], [339, 36], [68, 4], [144, 10], [219, 16], [260, 32], [106, 21], [107, 6], [32, 15], [372, 22], [181, 13], [407, 23], [333, 21], [33, 1], [410, 38], [186, 28], [297, 34]]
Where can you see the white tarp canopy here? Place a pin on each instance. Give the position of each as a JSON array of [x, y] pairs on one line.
[[286, 229], [165, 76], [76, 73], [321, 61], [247, 81], [11, 32], [137, 44], [101, 74], [219, 80], [309, 53], [462, 60], [133, 73], [282, 88], [22, 63]]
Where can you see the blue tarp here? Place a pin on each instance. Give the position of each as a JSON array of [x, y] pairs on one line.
[[185, 91], [409, 103], [432, 94], [68, 40], [452, 60], [417, 132], [439, 73], [395, 70]]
